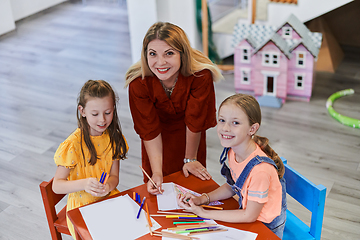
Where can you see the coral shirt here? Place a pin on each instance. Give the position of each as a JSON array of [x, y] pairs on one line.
[[262, 185], [191, 104]]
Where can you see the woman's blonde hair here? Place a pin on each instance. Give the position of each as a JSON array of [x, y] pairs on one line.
[[251, 108], [192, 60]]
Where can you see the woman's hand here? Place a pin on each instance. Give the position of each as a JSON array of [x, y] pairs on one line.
[[95, 188], [158, 179], [197, 169]]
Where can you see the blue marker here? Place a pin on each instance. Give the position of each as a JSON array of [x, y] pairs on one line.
[[102, 176], [141, 206]]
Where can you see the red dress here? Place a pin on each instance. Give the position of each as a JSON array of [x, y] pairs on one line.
[[191, 104]]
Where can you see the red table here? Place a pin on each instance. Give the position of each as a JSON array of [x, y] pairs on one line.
[[192, 183]]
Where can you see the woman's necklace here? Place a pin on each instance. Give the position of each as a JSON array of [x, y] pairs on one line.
[[169, 90]]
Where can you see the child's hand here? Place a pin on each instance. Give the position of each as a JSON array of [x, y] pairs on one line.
[[95, 188], [188, 204]]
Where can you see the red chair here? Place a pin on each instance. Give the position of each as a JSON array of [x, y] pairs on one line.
[[57, 221]]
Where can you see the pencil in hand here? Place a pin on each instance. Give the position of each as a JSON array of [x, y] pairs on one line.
[[151, 180]]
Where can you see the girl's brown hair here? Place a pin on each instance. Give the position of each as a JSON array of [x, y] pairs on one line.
[[100, 89], [192, 60], [252, 109]]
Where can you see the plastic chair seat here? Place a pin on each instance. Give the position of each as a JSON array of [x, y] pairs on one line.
[[295, 228]]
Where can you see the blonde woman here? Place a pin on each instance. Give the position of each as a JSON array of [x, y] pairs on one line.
[[172, 102]]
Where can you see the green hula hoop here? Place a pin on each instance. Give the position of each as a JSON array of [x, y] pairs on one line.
[[348, 121]]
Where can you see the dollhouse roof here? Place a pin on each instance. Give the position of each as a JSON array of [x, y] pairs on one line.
[[308, 44], [259, 35], [251, 41], [297, 25], [279, 42]]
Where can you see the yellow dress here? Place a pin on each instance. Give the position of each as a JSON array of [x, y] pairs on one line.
[[70, 156]]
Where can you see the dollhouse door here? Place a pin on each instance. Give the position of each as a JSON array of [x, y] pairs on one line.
[[270, 85]]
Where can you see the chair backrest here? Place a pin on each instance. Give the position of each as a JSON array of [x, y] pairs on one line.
[[307, 194], [56, 221]]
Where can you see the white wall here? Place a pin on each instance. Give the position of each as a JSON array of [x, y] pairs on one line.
[[25, 8], [14, 10], [305, 10], [7, 23], [143, 13]]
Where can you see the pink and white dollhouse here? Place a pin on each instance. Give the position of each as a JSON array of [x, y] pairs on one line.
[[275, 64]]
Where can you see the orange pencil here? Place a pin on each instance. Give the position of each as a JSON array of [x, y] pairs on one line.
[[148, 215], [134, 196], [106, 178], [213, 207]]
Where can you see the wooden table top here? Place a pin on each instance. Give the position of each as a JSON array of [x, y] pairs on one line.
[[192, 183]]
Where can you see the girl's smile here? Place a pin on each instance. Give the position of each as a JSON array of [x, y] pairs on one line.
[[233, 126]]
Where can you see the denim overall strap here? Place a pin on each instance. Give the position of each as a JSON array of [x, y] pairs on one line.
[[245, 173], [223, 155], [225, 171]]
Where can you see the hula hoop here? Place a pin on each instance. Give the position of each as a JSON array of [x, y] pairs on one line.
[[348, 121]]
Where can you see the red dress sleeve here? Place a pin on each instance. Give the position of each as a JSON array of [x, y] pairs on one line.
[[145, 118], [200, 113]]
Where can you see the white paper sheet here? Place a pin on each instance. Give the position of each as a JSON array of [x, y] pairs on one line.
[[116, 218], [230, 234], [167, 200]]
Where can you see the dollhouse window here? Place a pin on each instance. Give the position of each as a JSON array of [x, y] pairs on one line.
[[245, 55], [286, 32], [271, 59], [245, 76], [299, 81], [300, 59]]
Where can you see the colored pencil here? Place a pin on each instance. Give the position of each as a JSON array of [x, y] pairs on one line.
[[187, 223], [175, 216], [209, 231], [141, 206], [134, 196], [187, 226], [172, 235], [148, 215], [148, 219], [176, 213], [195, 228], [208, 206], [151, 180], [200, 218], [106, 178], [181, 216], [187, 220]]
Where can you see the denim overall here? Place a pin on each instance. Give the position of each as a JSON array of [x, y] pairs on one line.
[[278, 224]]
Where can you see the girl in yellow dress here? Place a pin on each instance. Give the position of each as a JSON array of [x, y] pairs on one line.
[[96, 146]]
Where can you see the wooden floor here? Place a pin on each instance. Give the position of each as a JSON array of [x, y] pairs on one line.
[[43, 65]]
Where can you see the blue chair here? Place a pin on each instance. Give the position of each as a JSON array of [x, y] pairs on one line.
[[310, 196]]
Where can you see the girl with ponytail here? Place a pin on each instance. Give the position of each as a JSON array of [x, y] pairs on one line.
[[254, 171]]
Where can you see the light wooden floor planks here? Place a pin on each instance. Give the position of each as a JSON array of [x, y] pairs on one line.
[[43, 65]]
